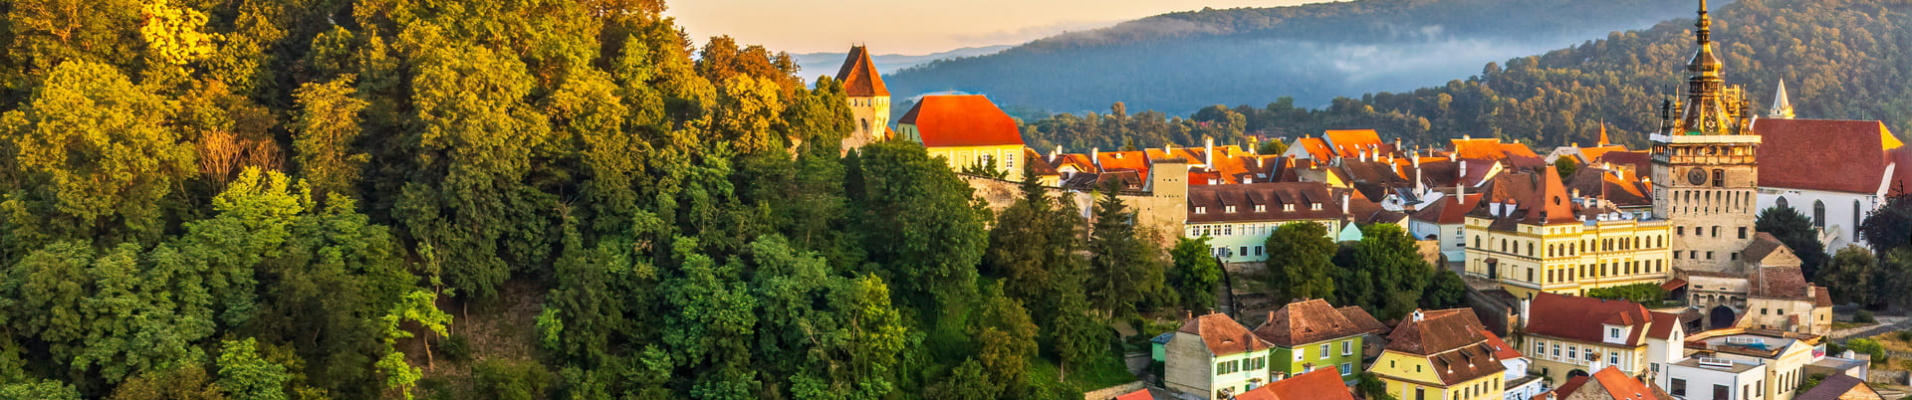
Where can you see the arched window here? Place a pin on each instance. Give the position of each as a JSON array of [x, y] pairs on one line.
[[1819, 214], [1782, 202], [1719, 178], [866, 125], [1855, 220]]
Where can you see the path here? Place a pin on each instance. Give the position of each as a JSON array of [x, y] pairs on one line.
[[1886, 324]]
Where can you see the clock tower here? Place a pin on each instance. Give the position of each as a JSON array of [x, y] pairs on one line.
[[1705, 174]]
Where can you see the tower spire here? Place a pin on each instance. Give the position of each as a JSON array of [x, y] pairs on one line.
[[1704, 25], [1782, 106]]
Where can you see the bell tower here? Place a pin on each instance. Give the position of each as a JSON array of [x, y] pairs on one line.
[[1705, 170], [869, 99]]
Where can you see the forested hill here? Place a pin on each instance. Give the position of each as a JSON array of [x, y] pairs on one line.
[[1839, 58], [1179, 62]]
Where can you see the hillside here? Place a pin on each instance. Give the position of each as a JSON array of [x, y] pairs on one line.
[[810, 65], [1179, 62], [1839, 58]]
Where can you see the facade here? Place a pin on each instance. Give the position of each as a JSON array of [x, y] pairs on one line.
[[1440, 355], [1213, 357], [869, 99], [1744, 364], [1311, 334], [1570, 336], [1767, 291], [1444, 220], [966, 131], [1532, 238], [1705, 166], [1239, 218], [1520, 385]]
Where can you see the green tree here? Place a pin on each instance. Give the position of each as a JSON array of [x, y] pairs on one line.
[[1391, 260], [245, 376], [41, 390], [326, 128], [1796, 231], [921, 224], [420, 307], [1447, 291], [1890, 227], [1196, 273], [91, 157], [1850, 275], [1126, 270], [1566, 166], [1298, 265]]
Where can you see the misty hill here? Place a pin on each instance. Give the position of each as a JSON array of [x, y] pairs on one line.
[[1182, 61], [812, 64], [1840, 59]]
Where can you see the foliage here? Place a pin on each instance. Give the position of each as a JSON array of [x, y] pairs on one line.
[[1810, 382], [1890, 227], [1566, 166], [1796, 231], [1126, 272], [1648, 294], [1371, 387], [244, 376], [1196, 273], [502, 379], [1863, 316], [1867, 347], [1298, 265], [1850, 276], [1384, 273], [1447, 291]]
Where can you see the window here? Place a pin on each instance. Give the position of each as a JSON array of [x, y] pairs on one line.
[[1244, 250], [1420, 394], [1573, 352], [1677, 230], [1201, 210], [1742, 231], [1261, 208], [1613, 332], [1855, 218], [1347, 347], [1719, 178], [1613, 358], [1819, 214], [1556, 350], [1229, 209], [1347, 368], [1709, 255], [1257, 250], [1540, 348], [1678, 387], [1324, 350], [1715, 230]]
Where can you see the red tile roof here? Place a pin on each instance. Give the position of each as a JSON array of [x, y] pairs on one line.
[[1137, 395], [1837, 156], [1567, 389], [1663, 324], [1501, 349], [962, 120], [1361, 318], [1304, 322], [1213, 201], [1640, 161], [1222, 334], [1437, 331], [859, 75], [1449, 209], [1581, 318], [1322, 384], [1901, 171]]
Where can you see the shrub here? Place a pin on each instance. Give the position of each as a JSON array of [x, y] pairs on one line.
[[456, 348], [1863, 316], [502, 379], [1867, 347]]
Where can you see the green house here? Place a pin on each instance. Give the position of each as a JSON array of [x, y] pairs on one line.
[[1311, 334]]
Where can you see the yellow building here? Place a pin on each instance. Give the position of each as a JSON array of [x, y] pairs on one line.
[[1532, 237], [1440, 355], [1568, 336], [968, 131], [869, 99]]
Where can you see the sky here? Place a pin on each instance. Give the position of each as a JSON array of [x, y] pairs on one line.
[[915, 26]]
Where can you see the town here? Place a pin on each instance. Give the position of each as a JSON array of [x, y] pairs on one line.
[[1590, 272]]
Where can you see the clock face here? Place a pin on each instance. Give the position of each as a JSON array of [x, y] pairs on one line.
[[1697, 176]]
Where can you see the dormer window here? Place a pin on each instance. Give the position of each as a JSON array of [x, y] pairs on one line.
[[1261, 208], [1230, 210], [1201, 210], [1314, 206], [1287, 207]]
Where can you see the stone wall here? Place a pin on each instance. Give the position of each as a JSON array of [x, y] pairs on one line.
[[1112, 391], [1158, 217]]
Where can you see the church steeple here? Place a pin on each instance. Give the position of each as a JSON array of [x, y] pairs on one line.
[[1710, 108], [1782, 106]]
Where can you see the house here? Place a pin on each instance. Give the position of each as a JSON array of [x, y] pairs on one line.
[[1445, 221], [1440, 355], [869, 99], [1239, 218], [1767, 291], [1311, 334], [1213, 357], [1571, 335], [1520, 385], [1318, 385], [967, 131], [1832, 171], [1532, 237], [1840, 387], [1743, 364], [1608, 384]]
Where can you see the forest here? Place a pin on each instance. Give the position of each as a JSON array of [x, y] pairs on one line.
[[1179, 62], [1840, 59], [399, 199]]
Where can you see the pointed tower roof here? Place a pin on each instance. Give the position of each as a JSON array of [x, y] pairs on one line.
[[1782, 106], [859, 75], [1603, 133]]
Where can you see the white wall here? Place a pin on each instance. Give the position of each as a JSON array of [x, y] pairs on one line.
[[1839, 213], [1700, 381]]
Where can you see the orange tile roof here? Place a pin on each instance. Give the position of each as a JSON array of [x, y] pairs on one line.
[[1124, 160], [1589, 154], [1501, 349], [1322, 384], [1351, 142], [1137, 395], [859, 75], [962, 120], [1317, 148], [1222, 335]]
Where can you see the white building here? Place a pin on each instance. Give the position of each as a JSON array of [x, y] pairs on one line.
[[1744, 365], [1831, 171]]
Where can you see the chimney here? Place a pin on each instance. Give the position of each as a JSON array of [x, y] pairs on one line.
[[1054, 155], [1344, 203], [1420, 186], [1208, 143], [1418, 316], [1095, 156]]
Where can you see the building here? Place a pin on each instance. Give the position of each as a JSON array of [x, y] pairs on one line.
[[968, 131], [1310, 335], [1608, 384], [869, 99], [1318, 385], [1741, 364], [1239, 218], [1840, 387], [1705, 164], [1570, 336], [1440, 355], [1444, 220], [1213, 357], [1529, 235], [1520, 385], [1832, 171], [1766, 291]]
